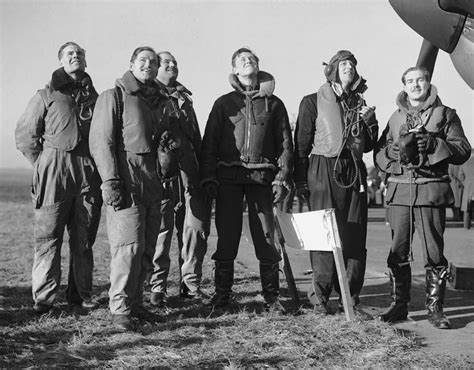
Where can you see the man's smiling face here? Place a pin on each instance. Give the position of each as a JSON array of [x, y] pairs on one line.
[[416, 86], [168, 69], [346, 72], [73, 59]]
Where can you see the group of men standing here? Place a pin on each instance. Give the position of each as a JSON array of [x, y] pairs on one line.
[[137, 148]]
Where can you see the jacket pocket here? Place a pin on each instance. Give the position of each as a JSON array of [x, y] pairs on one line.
[[440, 194], [126, 226]]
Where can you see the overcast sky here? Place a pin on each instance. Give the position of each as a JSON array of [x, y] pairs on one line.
[[292, 39]]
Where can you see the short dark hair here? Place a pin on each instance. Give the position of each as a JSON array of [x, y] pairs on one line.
[[163, 52], [65, 45], [139, 50], [423, 69], [243, 50]]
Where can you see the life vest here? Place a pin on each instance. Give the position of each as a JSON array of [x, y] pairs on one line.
[[328, 136]]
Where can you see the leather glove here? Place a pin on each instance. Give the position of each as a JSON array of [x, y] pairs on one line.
[[211, 189], [393, 151], [168, 155], [279, 193], [302, 190], [168, 141], [112, 194], [409, 153], [168, 163], [426, 142], [368, 115]]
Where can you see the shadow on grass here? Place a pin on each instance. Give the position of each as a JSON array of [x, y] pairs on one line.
[[457, 303], [17, 305], [225, 362]]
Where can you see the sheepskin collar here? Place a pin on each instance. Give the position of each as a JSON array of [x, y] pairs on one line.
[[265, 85], [133, 86], [431, 99], [60, 80]]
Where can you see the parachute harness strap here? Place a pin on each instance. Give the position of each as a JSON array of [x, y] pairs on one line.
[[352, 127], [411, 259]]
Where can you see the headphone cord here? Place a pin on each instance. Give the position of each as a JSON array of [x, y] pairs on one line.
[[351, 129]]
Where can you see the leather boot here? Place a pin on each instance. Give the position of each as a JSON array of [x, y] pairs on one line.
[[400, 279], [122, 322], [436, 278], [223, 281], [269, 276], [41, 308], [318, 294]]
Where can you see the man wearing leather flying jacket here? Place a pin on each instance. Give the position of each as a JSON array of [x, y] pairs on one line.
[[421, 139], [247, 151]]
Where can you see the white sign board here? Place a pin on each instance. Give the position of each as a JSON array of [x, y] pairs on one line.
[[312, 231], [317, 231]]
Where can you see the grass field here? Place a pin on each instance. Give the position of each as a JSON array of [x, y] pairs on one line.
[[186, 335]]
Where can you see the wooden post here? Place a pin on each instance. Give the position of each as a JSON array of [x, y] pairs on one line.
[[341, 270], [286, 261], [317, 231]]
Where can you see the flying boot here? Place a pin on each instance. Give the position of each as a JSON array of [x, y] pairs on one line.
[[223, 281], [269, 276], [436, 278], [400, 279]]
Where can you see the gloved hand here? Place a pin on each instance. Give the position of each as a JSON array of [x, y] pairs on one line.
[[168, 163], [368, 115], [168, 155], [426, 142], [168, 141], [279, 193], [112, 194], [393, 151], [302, 190], [211, 189]]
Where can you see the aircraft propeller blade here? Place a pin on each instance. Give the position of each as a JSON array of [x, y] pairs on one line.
[[427, 56]]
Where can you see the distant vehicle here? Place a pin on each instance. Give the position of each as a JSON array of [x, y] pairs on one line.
[[374, 187]]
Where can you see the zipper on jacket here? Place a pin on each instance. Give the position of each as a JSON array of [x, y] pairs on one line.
[[248, 121]]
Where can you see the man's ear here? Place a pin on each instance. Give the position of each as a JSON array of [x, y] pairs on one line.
[[234, 71]]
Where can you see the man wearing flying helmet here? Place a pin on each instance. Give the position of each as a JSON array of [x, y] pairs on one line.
[[334, 128]]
